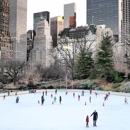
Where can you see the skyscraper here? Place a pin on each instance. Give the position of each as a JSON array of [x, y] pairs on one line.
[[18, 27], [6, 45], [70, 15], [40, 54], [106, 12], [126, 19], [57, 25], [37, 17]]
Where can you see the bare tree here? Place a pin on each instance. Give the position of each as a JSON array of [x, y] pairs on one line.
[[15, 69], [68, 49]]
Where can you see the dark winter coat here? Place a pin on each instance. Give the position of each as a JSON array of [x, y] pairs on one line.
[[95, 115]]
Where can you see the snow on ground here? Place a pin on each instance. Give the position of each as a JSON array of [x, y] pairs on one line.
[[69, 115]]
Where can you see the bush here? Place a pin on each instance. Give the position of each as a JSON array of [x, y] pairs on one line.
[[92, 76], [23, 88], [116, 85], [116, 77], [50, 87], [32, 86]]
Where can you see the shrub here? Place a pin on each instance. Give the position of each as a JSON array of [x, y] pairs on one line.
[[92, 76], [23, 88], [116, 85], [50, 87]]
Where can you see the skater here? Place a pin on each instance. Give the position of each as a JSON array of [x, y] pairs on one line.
[[43, 93], [78, 97], [8, 92], [126, 101], [46, 92], [16, 93], [51, 96], [66, 93], [60, 99], [90, 99], [90, 91], [87, 121], [82, 93], [109, 93], [17, 99], [42, 100], [107, 96], [56, 91], [54, 99], [95, 117], [73, 94], [4, 97], [96, 94]]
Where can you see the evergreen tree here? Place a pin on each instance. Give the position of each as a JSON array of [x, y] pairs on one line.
[[104, 58], [84, 64]]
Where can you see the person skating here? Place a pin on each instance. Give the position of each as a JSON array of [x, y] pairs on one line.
[[73, 94], [90, 99], [43, 93], [126, 101], [42, 100], [87, 121], [51, 95], [8, 92], [4, 97], [90, 91], [95, 117], [96, 94], [55, 99], [46, 92], [17, 99], [60, 99], [56, 91], [82, 93]]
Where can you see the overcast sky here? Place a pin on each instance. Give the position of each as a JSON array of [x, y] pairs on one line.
[[55, 7]]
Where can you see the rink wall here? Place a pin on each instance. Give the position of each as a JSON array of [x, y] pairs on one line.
[[69, 90]]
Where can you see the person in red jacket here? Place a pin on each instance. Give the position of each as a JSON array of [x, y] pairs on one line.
[[87, 121], [78, 97]]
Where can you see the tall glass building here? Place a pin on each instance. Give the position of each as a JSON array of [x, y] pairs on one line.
[[37, 18], [106, 12], [126, 19], [18, 27], [70, 15]]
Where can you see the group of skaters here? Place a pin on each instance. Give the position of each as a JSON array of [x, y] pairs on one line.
[[43, 99]]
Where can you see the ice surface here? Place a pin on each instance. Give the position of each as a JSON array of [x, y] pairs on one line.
[[69, 115]]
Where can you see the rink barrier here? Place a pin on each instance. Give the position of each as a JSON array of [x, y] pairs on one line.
[[68, 90]]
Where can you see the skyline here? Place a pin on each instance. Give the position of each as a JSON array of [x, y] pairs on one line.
[[37, 6]]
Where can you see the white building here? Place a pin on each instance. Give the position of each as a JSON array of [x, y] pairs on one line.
[[40, 54]]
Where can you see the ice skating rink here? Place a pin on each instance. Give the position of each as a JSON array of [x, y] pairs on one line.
[[69, 115]]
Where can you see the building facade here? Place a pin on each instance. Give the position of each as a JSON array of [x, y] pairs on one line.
[[70, 15], [126, 19], [6, 44], [106, 12], [30, 42], [57, 25], [37, 17], [40, 54], [18, 28]]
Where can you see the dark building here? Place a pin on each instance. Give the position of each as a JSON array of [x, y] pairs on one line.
[[106, 12], [126, 19], [30, 41], [37, 18], [57, 25], [6, 44]]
